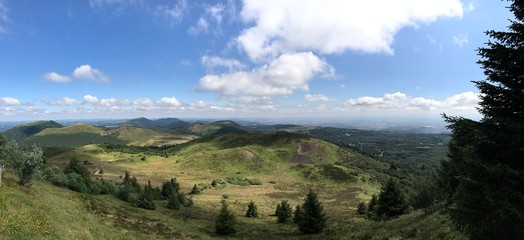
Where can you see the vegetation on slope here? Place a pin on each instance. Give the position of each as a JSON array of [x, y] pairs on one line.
[[24, 131]]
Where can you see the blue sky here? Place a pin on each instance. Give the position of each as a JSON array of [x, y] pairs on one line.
[[69, 59]]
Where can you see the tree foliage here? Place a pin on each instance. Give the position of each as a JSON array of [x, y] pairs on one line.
[[391, 201], [225, 222], [483, 178], [26, 161], [252, 211], [284, 212], [311, 219]]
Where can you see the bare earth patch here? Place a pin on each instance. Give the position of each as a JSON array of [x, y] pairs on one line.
[[199, 154], [300, 158], [247, 154], [309, 147]]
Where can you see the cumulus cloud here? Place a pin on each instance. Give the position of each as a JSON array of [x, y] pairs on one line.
[[90, 99], [65, 101], [82, 72], [9, 101], [93, 74], [212, 62], [318, 98], [334, 26], [170, 102], [401, 102], [287, 73], [55, 77]]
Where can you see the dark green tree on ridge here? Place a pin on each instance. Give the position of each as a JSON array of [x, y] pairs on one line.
[[483, 179]]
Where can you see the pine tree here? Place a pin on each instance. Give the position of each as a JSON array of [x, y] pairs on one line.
[[170, 187], [483, 178], [226, 222], [361, 208], [297, 214], [283, 212], [252, 211], [372, 205], [145, 200], [391, 201], [312, 219], [195, 190], [174, 202]]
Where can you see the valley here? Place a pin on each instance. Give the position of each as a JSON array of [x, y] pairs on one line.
[[264, 164]]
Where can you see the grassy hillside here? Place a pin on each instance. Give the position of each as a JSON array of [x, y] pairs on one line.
[[24, 131], [148, 137], [72, 136]]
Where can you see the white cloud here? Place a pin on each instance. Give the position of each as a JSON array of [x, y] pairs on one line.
[[282, 76], [65, 101], [93, 74], [211, 62], [90, 99], [334, 26], [202, 26], [82, 72], [318, 98], [9, 101], [460, 40], [470, 7], [463, 100], [55, 77], [173, 13], [170, 102], [4, 17], [400, 102]]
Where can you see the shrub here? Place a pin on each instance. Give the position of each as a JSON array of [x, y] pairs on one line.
[[361, 208]]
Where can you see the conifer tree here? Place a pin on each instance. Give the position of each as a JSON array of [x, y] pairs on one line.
[[391, 201], [252, 211], [312, 218], [174, 202], [297, 214], [361, 208], [283, 212], [372, 205], [145, 199], [226, 222], [483, 178]]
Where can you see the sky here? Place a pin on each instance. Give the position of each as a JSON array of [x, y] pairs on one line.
[[97, 59]]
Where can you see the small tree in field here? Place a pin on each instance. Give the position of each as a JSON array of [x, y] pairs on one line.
[[391, 201], [361, 208], [283, 212], [297, 214], [226, 222], [252, 211], [25, 161], [312, 218]]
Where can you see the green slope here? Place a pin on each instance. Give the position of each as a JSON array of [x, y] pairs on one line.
[[24, 131], [72, 136]]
